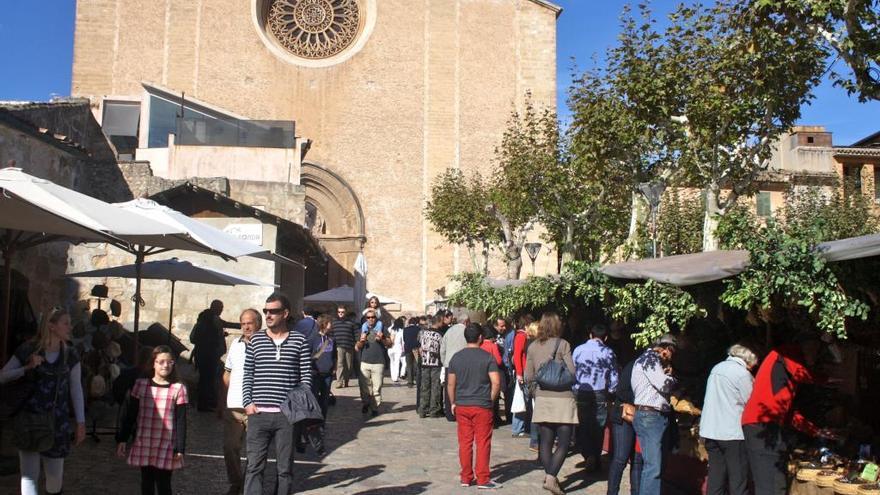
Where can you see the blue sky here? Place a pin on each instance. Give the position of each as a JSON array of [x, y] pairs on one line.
[[38, 50]]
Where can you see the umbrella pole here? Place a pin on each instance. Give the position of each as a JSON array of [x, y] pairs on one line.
[[138, 261], [7, 301], [171, 312]]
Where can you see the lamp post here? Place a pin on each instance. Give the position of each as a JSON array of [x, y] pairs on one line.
[[652, 191], [532, 249]]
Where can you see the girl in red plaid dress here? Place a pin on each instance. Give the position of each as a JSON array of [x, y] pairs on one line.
[[157, 409]]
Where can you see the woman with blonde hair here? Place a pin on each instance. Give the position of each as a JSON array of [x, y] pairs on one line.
[[555, 409], [52, 373]]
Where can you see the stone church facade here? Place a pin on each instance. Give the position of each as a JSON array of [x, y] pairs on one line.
[[384, 94]]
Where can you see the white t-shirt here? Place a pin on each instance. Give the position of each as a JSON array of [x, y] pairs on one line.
[[235, 366]]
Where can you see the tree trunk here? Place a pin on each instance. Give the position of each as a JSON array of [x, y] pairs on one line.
[[472, 253], [514, 266], [568, 250], [485, 268], [711, 216], [636, 211]]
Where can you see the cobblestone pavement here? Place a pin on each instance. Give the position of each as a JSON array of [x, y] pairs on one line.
[[396, 453]]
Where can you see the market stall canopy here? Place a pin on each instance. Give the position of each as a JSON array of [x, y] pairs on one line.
[[343, 294], [850, 248], [684, 269]]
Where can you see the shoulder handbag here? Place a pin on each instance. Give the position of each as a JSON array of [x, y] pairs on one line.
[[553, 375], [35, 431]]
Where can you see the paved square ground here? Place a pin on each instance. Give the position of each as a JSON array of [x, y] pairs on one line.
[[395, 453]]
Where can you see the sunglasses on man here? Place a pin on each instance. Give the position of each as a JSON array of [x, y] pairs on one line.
[[273, 311]]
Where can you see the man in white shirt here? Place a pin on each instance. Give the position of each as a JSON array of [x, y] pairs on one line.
[[234, 417]]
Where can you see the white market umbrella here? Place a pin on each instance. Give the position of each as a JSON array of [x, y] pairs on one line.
[[199, 237], [35, 211], [359, 293], [173, 270]]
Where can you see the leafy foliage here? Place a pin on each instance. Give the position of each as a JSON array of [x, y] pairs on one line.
[[732, 84], [849, 28], [458, 211], [679, 224], [657, 307], [786, 270], [818, 217]]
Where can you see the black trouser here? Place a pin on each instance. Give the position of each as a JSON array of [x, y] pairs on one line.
[[155, 480], [592, 410], [767, 450], [209, 375], [429, 402], [549, 433], [447, 405], [728, 467], [412, 368]]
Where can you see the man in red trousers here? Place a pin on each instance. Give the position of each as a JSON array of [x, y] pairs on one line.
[[474, 383]]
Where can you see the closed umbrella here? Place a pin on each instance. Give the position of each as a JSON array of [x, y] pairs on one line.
[[359, 294], [173, 270]]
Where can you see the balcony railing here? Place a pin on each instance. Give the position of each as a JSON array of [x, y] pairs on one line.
[[233, 132]]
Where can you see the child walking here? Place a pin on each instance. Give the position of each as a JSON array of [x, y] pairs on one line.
[[157, 411]]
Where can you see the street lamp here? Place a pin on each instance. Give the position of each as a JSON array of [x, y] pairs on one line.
[[652, 191], [532, 249]]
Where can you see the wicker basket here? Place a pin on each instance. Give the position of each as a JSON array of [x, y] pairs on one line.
[[826, 479], [807, 474], [869, 489], [848, 488]]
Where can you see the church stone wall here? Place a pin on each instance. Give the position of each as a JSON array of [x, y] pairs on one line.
[[432, 88]]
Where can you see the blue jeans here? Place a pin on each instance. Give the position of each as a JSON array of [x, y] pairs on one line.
[[518, 423], [592, 408], [623, 444], [650, 427]]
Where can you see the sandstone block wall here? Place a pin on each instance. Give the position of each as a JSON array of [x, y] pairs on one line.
[[432, 88]]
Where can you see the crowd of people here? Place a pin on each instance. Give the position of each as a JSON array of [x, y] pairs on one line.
[[279, 374]]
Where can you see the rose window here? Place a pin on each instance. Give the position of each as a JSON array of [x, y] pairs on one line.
[[314, 29]]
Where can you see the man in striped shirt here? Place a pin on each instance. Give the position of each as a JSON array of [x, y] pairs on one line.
[[276, 359]]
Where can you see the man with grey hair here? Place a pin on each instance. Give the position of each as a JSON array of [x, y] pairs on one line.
[[453, 341], [727, 391]]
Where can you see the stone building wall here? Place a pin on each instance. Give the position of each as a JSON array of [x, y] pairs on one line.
[[45, 157], [431, 88]]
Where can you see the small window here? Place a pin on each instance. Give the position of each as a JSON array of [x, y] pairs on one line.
[[810, 139], [762, 202], [120, 124]]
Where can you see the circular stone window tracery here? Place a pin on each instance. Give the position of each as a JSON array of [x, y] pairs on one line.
[[314, 29]]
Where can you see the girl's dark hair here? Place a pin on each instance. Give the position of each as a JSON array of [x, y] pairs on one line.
[[373, 298], [400, 322], [164, 349]]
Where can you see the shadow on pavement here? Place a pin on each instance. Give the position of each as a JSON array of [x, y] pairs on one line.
[[410, 489], [337, 478], [511, 470]]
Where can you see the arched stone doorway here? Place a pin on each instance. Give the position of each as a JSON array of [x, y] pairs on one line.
[[336, 219]]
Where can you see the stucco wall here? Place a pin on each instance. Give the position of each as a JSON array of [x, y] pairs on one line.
[[432, 88]]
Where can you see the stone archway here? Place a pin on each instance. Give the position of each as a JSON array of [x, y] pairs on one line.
[[336, 219]]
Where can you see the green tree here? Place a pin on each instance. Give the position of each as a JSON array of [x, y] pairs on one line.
[[458, 211], [680, 224], [849, 28], [815, 216], [734, 86]]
